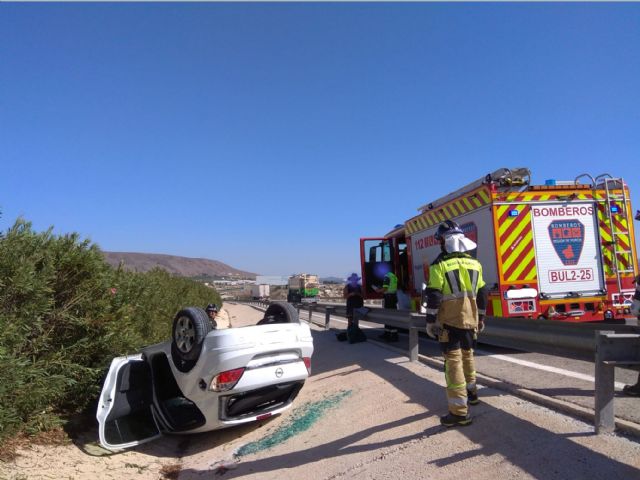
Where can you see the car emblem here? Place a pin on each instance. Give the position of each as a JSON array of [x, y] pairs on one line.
[[279, 372]]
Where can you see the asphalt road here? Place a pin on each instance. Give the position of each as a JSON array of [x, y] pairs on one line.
[[367, 412], [565, 379]]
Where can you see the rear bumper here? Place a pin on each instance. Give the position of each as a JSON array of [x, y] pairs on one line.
[[248, 405]]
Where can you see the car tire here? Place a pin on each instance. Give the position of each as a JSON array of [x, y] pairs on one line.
[[280, 312], [190, 326]]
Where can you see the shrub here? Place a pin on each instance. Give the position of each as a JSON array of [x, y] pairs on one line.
[[64, 314]]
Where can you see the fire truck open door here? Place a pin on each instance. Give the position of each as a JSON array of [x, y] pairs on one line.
[[377, 258]]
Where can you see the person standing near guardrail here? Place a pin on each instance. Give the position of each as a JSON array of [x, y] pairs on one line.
[[353, 293], [456, 299]]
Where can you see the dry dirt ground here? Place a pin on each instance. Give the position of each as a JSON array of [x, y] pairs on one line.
[[368, 413]]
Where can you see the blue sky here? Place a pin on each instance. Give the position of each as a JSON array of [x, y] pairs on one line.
[[273, 136]]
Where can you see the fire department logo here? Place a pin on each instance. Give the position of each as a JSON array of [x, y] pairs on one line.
[[470, 231], [567, 238]]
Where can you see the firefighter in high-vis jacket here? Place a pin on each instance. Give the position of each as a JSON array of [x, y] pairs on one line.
[[390, 297], [456, 301]]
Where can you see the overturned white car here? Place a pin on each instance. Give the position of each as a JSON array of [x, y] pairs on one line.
[[205, 379]]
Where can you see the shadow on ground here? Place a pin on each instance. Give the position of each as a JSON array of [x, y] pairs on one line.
[[538, 452]]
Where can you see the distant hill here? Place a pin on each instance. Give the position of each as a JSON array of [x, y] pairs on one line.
[[183, 266], [332, 280]]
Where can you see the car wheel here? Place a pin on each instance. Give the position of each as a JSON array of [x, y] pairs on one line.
[[280, 312], [190, 326]]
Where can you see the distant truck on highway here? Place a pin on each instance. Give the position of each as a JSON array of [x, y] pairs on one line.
[[260, 292], [303, 288]]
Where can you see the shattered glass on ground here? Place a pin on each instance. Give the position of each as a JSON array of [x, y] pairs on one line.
[[301, 420]]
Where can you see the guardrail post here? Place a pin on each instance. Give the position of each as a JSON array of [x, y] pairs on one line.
[[310, 311], [605, 387], [413, 341], [612, 349], [327, 316]]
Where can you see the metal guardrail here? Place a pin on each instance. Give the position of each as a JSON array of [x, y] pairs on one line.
[[572, 340], [253, 303], [612, 350]]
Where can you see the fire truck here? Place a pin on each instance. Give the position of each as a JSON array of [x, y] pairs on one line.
[[562, 251]]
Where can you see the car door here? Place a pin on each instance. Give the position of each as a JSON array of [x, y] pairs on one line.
[[125, 409]]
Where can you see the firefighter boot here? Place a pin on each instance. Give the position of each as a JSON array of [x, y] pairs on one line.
[[452, 420], [389, 335], [393, 335], [632, 390]]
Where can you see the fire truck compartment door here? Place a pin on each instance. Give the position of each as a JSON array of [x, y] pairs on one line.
[[567, 249], [377, 261]]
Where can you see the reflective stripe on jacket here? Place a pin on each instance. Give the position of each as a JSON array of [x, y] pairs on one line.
[[454, 282], [390, 283]]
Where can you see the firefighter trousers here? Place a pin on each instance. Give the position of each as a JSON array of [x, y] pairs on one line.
[[459, 367]]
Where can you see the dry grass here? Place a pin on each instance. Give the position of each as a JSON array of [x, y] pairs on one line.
[[10, 447], [171, 472]]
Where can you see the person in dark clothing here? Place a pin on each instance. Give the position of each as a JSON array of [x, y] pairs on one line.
[[212, 312], [353, 293]]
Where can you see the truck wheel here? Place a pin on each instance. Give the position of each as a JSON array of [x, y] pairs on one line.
[[190, 327], [280, 312]]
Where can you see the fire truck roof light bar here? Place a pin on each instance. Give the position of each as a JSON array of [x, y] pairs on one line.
[[503, 177]]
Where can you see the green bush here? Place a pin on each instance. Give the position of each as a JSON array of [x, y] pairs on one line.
[[64, 314]]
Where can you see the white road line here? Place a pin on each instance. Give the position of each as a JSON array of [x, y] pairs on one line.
[[546, 368]]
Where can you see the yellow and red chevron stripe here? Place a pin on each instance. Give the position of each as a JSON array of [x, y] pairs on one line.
[[624, 261], [542, 196], [516, 253], [459, 206]]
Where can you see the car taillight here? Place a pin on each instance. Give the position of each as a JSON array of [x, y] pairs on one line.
[[226, 380], [307, 363]]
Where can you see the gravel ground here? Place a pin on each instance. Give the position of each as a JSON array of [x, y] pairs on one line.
[[364, 413]]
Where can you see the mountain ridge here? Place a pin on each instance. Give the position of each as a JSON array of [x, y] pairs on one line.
[[183, 266]]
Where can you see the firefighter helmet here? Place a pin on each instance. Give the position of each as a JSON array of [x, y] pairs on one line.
[[449, 227]]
